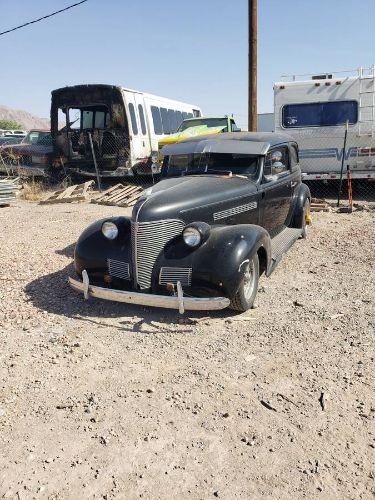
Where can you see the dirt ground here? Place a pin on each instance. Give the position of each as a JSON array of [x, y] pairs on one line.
[[101, 400]]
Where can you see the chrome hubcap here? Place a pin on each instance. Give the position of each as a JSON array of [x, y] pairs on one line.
[[249, 281]]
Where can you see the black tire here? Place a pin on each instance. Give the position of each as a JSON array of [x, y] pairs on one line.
[[306, 212], [245, 296]]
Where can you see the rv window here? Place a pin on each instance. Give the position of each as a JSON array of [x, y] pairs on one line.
[[196, 113], [165, 121], [142, 118], [158, 128], [320, 114], [133, 119]]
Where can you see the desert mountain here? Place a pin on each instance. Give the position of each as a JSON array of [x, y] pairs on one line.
[[27, 120]]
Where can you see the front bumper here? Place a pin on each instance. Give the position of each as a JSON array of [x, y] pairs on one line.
[[146, 299]]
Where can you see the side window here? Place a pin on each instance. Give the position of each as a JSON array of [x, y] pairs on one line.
[[276, 163], [133, 119], [156, 118], [142, 118], [165, 120], [294, 160], [179, 118]]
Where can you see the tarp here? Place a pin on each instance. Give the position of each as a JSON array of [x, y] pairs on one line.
[[190, 132]]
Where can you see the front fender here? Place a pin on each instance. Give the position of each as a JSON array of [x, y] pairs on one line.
[[218, 262], [93, 248], [301, 196]]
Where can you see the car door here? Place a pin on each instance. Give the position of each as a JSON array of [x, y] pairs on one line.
[[276, 190]]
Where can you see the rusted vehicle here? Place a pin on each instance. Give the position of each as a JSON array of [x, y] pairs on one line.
[[33, 156], [119, 126], [228, 207]]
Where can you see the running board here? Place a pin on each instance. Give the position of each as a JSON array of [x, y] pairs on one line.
[[281, 243]]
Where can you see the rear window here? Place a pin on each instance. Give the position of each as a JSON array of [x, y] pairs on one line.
[[319, 114]]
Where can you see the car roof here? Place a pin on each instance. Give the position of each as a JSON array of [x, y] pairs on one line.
[[257, 143]]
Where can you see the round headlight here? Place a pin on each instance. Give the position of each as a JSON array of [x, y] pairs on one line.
[[192, 237], [110, 230]]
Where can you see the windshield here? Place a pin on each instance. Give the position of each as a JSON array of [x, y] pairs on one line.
[[209, 122], [210, 163], [38, 138]]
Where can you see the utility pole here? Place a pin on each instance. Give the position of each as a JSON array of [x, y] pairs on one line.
[[253, 39]]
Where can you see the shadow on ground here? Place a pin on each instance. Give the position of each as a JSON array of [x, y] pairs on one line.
[[52, 293]]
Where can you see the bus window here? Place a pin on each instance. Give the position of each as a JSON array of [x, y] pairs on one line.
[[142, 118], [133, 119], [165, 120], [156, 118]]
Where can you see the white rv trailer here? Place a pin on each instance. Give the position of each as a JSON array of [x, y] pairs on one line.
[[314, 110], [125, 126]]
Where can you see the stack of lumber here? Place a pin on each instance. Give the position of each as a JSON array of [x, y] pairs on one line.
[[8, 190]]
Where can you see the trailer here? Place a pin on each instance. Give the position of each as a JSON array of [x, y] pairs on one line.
[[317, 110]]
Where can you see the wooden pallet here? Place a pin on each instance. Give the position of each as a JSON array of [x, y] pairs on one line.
[[120, 195], [319, 205], [76, 193]]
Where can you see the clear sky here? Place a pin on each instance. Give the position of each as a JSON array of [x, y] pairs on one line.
[[195, 50]]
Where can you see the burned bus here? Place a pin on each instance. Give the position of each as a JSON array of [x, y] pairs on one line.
[[117, 127]]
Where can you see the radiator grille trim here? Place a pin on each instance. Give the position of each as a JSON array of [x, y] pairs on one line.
[[174, 274], [148, 240], [119, 269]]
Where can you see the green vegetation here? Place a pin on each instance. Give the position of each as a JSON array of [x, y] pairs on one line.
[[10, 125]]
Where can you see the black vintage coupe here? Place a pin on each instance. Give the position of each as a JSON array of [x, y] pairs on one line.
[[224, 212]]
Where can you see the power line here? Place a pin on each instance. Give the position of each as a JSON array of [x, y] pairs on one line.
[[44, 17]]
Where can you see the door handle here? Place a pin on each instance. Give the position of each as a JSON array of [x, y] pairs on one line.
[[293, 184]]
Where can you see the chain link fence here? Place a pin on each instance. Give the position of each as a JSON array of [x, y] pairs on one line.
[[338, 167], [334, 167]]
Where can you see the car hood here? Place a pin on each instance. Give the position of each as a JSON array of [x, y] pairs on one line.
[[28, 149], [193, 198]]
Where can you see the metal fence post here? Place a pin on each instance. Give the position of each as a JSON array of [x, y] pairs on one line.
[[342, 162], [96, 165]]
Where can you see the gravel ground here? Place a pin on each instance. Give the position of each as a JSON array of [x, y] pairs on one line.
[[101, 400]]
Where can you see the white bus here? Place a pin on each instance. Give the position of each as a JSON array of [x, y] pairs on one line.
[[121, 125], [314, 110]]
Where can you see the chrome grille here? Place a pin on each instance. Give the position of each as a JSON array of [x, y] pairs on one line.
[[174, 274], [119, 269], [148, 239]]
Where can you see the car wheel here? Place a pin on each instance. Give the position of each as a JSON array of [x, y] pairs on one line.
[[245, 296], [306, 219]]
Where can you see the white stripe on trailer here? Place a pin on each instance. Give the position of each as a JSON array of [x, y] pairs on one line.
[[333, 176]]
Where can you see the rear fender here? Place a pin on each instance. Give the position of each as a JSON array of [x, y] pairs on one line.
[[220, 261], [302, 194]]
